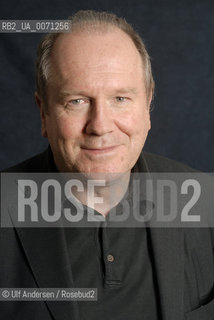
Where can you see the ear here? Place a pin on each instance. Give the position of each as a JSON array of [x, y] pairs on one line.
[[150, 98], [149, 124], [43, 114]]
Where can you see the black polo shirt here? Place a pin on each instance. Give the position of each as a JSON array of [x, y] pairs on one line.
[[118, 262]]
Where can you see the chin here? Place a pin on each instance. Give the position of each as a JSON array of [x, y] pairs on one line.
[[105, 179], [107, 173]]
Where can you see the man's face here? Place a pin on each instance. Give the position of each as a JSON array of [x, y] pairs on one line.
[[98, 112]]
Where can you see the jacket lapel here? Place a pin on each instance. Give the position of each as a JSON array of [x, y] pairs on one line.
[[45, 249], [168, 255], [46, 252]]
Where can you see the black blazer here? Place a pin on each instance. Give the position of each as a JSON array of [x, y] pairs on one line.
[[183, 260]]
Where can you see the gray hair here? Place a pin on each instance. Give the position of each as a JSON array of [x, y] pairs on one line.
[[87, 20]]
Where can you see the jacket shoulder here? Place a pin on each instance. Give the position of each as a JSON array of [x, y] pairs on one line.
[[38, 163], [157, 163]]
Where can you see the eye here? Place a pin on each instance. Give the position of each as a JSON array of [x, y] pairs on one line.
[[76, 101], [120, 99]]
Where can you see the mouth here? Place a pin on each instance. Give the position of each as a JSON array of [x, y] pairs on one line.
[[97, 151]]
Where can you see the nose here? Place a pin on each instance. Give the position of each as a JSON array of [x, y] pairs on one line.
[[100, 121]]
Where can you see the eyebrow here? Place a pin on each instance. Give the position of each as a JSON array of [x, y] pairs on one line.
[[127, 90], [83, 93]]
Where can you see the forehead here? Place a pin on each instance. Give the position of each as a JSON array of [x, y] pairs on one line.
[[111, 53]]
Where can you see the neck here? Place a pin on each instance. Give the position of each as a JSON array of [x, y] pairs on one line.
[[103, 192]]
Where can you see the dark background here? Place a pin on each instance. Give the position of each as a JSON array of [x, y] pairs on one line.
[[180, 39]]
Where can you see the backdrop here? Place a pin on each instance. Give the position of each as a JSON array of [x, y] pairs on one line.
[[179, 38]]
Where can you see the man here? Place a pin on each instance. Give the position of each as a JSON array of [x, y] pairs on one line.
[[94, 90]]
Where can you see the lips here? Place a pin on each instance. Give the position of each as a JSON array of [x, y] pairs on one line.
[[94, 150], [101, 148]]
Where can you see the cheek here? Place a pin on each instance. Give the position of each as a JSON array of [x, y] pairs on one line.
[[134, 124], [66, 128]]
